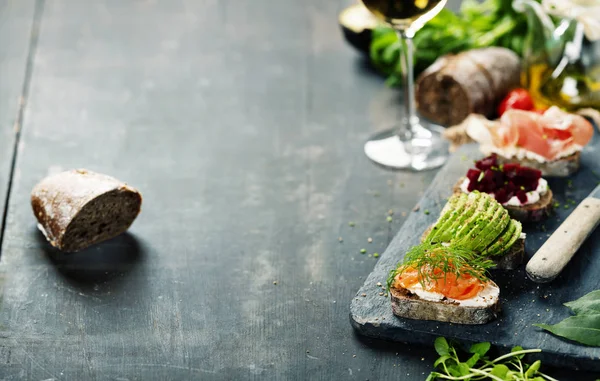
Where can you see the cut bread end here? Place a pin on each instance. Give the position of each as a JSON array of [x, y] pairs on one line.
[[525, 213], [408, 305], [103, 218]]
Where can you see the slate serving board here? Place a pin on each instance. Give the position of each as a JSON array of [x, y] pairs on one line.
[[523, 301]]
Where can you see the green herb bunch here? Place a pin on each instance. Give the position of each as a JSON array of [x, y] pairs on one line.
[[428, 256], [477, 25], [478, 366]]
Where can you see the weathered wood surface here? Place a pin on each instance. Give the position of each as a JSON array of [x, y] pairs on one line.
[[242, 123], [16, 21], [523, 301]]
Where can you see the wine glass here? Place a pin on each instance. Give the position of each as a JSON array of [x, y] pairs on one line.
[[415, 144]]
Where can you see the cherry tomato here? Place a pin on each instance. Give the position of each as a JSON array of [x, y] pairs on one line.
[[516, 99]]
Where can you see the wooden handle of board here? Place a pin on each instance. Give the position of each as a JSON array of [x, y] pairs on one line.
[[558, 250]]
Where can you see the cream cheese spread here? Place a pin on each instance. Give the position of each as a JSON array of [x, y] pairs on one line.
[[486, 297]]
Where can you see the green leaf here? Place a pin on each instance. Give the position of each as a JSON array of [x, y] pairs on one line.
[[499, 370], [464, 369], [586, 305], [584, 329], [533, 368], [453, 371], [441, 360], [480, 348], [391, 54], [441, 346], [516, 349], [473, 360]]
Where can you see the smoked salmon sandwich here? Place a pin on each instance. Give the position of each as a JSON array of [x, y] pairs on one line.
[[443, 284], [445, 277]]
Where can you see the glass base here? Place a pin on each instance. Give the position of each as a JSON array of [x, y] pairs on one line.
[[426, 149]]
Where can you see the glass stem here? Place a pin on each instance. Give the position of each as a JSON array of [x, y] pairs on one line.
[[411, 120]]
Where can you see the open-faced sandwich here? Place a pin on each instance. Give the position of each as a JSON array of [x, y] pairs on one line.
[[550, 141], [521, 190], [444, 278], [477, 222], [449, 284]]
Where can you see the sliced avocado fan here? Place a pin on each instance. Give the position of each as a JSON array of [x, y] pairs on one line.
[[477, 222]]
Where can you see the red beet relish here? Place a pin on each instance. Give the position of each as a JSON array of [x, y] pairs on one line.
[[504, 181]]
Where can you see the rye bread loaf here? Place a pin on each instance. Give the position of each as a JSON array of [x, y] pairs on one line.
[[535, 212], [76, 209], [408, 305], [474, 81]]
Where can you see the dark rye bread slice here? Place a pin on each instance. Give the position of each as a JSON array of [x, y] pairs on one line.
[[79, 208], [526, 213], [512, 259], [563, 167], [405, 304]]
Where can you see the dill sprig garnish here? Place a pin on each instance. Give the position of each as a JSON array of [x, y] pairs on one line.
[[427, 257]]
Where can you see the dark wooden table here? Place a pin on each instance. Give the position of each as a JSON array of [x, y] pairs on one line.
[[242, 123]]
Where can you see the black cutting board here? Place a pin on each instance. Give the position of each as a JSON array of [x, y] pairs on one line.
[[523, 301]]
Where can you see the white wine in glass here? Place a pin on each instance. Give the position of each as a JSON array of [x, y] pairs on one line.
[[415, 144]]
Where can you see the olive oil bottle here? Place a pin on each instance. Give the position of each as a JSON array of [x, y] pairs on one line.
[[562, 71]]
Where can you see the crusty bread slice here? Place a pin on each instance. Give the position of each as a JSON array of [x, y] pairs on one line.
[[512, 259], [563, 167], [526, 213], [405, 304]]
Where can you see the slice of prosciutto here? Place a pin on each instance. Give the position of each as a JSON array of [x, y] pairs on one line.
[[550, 135]]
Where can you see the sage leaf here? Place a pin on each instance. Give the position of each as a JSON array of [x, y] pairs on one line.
[[480, 348], [441, 346], [588, 304], [584, 329]]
